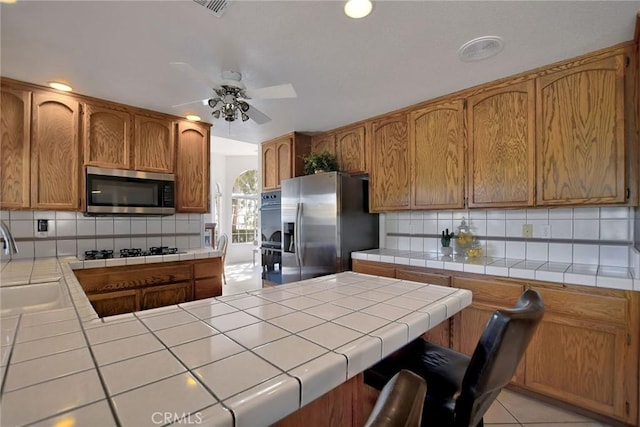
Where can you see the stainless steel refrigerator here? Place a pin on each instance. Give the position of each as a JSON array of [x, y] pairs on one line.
[[324, 218]]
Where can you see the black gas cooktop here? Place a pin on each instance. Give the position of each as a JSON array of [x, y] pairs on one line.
[[128, 253]]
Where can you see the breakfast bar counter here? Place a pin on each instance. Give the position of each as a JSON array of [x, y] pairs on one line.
[[248, 359]]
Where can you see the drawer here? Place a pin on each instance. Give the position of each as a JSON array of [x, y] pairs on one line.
[[490, 291], [605, 308], [423, 277], [212, 267], [131, 277]]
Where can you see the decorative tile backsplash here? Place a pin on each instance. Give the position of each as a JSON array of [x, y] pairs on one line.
[[71, 233], [600, 235]]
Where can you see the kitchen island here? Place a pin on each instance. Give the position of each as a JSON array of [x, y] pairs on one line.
[[248, 359]]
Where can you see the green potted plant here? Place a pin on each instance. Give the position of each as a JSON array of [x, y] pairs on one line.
[[445, 240], [320, 162]]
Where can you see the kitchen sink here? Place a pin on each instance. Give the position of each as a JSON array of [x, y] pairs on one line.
[[33, 297]]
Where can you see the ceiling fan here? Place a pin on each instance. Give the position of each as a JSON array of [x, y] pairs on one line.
[[231, 94]]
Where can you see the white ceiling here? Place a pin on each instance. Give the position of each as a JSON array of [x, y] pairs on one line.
[[343, 70]]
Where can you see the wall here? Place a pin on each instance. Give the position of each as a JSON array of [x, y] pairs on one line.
[[588, 235], [71, 233], [226, 175]]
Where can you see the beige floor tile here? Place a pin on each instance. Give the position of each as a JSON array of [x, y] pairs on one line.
[[528, 410], [561, 424], [498, 415]]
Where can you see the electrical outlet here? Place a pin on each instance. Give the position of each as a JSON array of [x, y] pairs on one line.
[[527, 230], [43, 225], [546, 231]]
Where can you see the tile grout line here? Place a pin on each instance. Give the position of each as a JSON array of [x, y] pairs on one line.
[[97, 370]]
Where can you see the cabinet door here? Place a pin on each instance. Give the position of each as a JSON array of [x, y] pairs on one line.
[[501, 146], [352, 150], [269, 166], [578, 351], [55, 168], [323, 142], [107, 137], [160, 296], [437, 156], [389, 188], [192, 169], [284, 151], [15, 121], [154, 144], [112, 303], [580, 134], [469, 324]]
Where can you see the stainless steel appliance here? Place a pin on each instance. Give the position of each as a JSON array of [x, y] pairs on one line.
[[324, 218], [271, 230], [126, 192]]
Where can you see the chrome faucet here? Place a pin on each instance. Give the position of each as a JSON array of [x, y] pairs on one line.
[[9, 242]]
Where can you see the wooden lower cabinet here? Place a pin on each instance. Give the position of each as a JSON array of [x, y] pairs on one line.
[[124, 289], [112, 303], [374, 268], [208, 278], [159, 296], [585, 352]]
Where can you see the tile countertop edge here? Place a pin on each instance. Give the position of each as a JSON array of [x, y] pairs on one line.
[[621, 278], [417, 320]]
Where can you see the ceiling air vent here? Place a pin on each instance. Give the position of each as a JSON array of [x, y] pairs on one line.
[[216, 6], [480, 48]]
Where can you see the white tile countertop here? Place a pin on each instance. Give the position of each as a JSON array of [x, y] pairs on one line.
[[248, 359], [576, 274]]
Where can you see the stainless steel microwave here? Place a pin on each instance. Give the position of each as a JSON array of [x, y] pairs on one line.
[[126, 192]]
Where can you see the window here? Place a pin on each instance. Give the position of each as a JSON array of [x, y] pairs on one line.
[[244, 208]]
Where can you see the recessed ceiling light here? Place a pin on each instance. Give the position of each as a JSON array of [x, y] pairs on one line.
[[8, 1], [358, 8], [192, 117], [480, 48], [60, 86]]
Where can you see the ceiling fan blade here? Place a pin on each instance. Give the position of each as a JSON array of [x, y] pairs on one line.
[[257, 116], [195, 74], [273, 92], [201, 101]]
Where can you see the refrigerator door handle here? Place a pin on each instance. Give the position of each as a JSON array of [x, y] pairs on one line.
[[297, 231]]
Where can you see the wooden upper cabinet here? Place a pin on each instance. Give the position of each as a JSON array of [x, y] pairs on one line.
[[192, 168], [351, 146], [154, 144], [284, 154], [436, 148], [269, 166], [389, 189], [55, 147], [580, 134], [501, 146], [107, 137], [15, 122], [323, 142], [282, 159]]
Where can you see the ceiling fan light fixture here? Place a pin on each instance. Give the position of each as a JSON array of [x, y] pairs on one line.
[[216, 114], [244, 117], [358, 8]]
